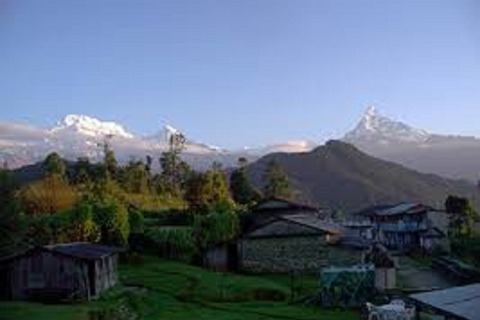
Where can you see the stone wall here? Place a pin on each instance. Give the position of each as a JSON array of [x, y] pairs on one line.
[[283, 254]]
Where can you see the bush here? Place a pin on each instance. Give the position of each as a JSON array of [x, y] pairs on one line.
[[171, 242], [215, 227], [113, 219]]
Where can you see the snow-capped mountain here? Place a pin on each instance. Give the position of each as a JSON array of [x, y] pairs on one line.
[[378, 129], [90, 127], [393, 140], [83, 136]]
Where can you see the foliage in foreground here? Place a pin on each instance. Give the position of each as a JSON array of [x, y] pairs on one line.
[[162, 289]]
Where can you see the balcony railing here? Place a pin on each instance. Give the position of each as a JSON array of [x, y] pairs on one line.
[[402, 226]]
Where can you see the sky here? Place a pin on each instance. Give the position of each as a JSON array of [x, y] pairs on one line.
[[242, 73]]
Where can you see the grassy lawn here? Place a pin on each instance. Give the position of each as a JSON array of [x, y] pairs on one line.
[[163, 289]]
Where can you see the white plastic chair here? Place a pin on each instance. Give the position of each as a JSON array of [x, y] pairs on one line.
[[374, 313], [398, 302], [410, 313]]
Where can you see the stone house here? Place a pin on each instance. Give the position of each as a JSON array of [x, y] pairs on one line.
[[293, 243], [61, 271], [271, 209]]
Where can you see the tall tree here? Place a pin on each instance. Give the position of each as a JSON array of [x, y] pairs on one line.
[[174, 169], [109, 161], [82, 172], [276, 181], [54, 165], [462, 216], [240, 187], [10, 220], [204, 189]]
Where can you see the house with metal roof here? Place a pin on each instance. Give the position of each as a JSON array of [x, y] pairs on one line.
[[62, 271], [408, 226]]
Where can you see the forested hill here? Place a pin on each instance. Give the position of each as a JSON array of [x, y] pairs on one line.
[[338, 175]]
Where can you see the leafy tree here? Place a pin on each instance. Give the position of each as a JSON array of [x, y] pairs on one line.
[[174, 169], [10, 219], [136, 221], [83, 228], [206, 188], [49, 195], [135, 178], [54, 165], [219, 225], [462, 216], [241, 189], [276, 181], [109, 161], [81, 174], [113, 220]]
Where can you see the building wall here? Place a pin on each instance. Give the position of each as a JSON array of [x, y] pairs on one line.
[[41, 270], [282, 254], [105, 273], [48, 271], [385, 278], [216, 258]]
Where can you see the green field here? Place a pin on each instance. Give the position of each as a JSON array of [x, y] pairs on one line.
[[163, 289]]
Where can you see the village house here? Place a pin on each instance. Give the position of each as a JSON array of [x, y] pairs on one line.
[[224, 256], [55, 272], [284, 236], [404, 227]]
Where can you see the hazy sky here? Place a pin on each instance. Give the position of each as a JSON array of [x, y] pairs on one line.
[[237, 73]]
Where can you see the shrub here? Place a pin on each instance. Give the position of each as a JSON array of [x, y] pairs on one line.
[[171, 242]]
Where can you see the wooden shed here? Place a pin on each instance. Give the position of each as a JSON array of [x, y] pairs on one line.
[[61, 271]]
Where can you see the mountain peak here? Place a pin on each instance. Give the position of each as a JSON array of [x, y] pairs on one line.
[[374, 127], [92, 127]]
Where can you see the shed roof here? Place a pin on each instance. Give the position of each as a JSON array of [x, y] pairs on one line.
[[83, 250], [463, 302]]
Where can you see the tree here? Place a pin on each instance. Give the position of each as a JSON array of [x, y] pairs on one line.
[[10, 219], [174, 169], [206, 188], [134, 178], [240, 187], [276, 181], [109, 161], [83, 228], [82, 175], [49, 195], [113, 220], [462, 216], [54, 165], [219, 225]]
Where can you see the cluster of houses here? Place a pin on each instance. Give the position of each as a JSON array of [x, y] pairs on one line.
[[279, 236], [285, 236]]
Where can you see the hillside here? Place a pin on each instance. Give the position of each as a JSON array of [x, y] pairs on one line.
[[338, 175]]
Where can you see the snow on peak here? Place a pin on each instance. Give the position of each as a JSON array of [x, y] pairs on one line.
[[374, 126], [91, 127]]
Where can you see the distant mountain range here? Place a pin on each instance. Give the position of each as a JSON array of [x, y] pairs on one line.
[[446, 155], [82, 136], [338, 175]]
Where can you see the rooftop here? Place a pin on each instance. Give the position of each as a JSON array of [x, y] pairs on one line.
[[83, 250], [463, 302], [314, 222]]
